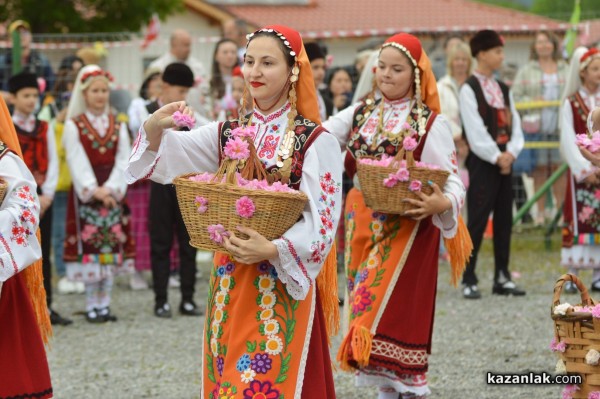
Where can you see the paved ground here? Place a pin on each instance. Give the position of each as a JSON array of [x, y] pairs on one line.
[[141, 356]]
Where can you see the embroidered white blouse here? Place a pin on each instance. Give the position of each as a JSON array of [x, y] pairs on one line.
[[84, 179], [303, 248], [27, 123], [439, 149], [19, 218], [580, 167]]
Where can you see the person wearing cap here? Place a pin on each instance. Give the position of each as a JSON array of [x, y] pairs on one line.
[[36, 138], [32, 60], [271, 304], [98, 242], [580, 248], [392, 260], [493, 130], [317, 64], [23, 312], [164, 216]]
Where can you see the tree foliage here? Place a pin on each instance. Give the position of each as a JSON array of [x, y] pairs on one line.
[[590, 9], [81, 16]]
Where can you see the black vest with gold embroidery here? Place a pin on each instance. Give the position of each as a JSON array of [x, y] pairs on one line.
[[357, 146], [306, 133]]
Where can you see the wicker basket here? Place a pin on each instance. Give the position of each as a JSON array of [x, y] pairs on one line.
[[275, 212], [3, 187], [391, 199], [580, 332]]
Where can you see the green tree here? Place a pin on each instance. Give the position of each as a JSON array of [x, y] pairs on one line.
[[590, 9], [79, 16]]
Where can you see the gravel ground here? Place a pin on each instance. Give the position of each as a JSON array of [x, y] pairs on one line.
[[142, 356]]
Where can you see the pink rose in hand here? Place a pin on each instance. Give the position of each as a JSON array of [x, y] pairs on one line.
[[415, 185], [183, 120]]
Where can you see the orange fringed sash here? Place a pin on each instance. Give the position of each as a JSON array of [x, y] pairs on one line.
[[459, 248], [327, 283], [35, 283]]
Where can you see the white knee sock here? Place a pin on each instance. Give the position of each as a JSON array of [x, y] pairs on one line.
[[104, 292], [387, 393], [91, 296]]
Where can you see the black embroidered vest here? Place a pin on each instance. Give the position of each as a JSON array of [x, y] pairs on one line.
[[357, 146], [306, 133]]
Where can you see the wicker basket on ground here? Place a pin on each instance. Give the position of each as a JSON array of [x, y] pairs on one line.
[[391, 199], [275, 212], [579, 332]]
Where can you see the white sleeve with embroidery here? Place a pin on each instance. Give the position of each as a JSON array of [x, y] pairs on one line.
[[439, 150], [340, 124], [82, 174], [580, 167], [49, 185], [305, 246], [179, 153], [19, 218], [116, 181]]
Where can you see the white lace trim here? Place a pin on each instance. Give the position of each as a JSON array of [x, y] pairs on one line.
[[289, 272], [139, 149], [447, 223]]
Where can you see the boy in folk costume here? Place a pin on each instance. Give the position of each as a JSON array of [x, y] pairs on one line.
[[493, 129], [24, 321], [36, 138], [272, 303], [97, 148], [392, 260], [581, 234]]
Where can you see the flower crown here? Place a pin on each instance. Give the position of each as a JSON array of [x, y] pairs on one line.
[[285, 41], [97, 73]]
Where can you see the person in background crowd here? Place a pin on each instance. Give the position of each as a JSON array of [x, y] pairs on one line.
[[493, 130], [37, 142], [224, 61], [23, 313], [339, 89], [317, 64], [149, 91], [593, 126], [180, 50], [580, 247], [440, 63], [541, 79], [236, 30], [32, 60], [98, 242]]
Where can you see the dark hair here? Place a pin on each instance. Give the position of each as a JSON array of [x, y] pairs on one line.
[[286, 51], [146, 83], [333, 71], [553, 39], [217, 86]]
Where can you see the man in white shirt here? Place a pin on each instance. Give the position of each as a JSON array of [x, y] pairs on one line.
[[180, 51], [493, 131]]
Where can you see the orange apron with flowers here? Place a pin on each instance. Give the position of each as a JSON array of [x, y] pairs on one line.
[[255, 334]]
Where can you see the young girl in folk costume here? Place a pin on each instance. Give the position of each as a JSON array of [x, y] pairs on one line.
[[97, 148], [581, 234], [272, 304], [392, 260], [24, 320]]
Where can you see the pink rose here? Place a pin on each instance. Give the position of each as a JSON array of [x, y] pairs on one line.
[[201, 203], [237, 148], [390, 181], [569, 391], [405, 126], [585, 213], [594, 395], [183, 120], [244, 207], [415, 185], [402, 174], [217, 232], [596, 311], [409, 143], [248, 131], [202, 177]]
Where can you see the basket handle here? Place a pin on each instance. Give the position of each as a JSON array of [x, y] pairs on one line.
[[403, 154], [586, 300], [252, 168]]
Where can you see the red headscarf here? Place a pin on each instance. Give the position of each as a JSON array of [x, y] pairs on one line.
[[411, 47], [306, 94]]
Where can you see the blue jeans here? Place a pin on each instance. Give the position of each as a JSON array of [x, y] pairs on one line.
[[59, 221]]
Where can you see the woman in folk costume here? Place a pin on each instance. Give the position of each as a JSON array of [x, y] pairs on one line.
[[581, 235], [271, 305], [24, 321], [97, 148], [392, 260]]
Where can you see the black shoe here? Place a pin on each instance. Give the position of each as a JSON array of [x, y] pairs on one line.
[[94, 317], [471, 292], [508, 288], [570, 288], [163, 311], [341, 301], [57, 320], [189, 308], [596, 286], [105, 313]]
